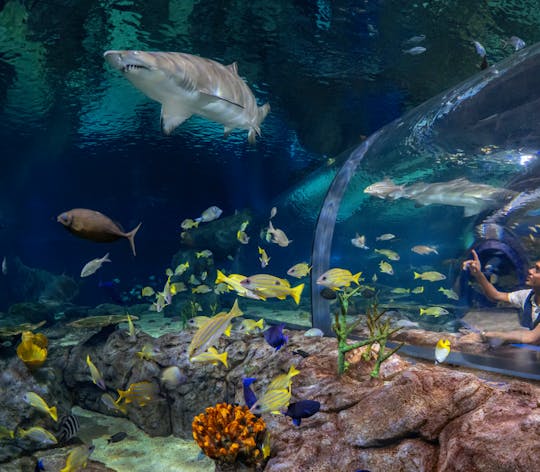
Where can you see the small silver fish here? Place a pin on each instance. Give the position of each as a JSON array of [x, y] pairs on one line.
[[415, 39], [480, 50], [415, 51], [516, 42], [4, 266]]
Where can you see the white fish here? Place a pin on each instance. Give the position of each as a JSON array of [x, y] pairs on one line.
[[273, 212], [442, 349], [516, 42], [359, 241], [385, 237], [480, 50], [415, 51], [92, 266], [4, 266], [415, 39], [187, 85], [210, 214], [278, 236], [314, 333]]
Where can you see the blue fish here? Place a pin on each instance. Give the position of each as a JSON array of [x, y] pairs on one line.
[[302, 409], [39, 466], [249, 395], [275, 337]]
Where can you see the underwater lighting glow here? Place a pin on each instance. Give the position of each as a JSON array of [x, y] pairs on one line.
[[524, 159]]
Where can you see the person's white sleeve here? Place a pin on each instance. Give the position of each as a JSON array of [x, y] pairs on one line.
[[517, 298]]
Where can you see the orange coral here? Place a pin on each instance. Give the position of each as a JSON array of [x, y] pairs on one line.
[[33, 349], [229, 433]]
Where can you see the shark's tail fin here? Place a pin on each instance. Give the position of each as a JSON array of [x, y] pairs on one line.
[[256, 130], [131, 237]]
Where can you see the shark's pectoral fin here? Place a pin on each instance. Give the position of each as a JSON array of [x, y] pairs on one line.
[[212, 97], [471, 211], [173, 116], [227, 131], [233, 68]]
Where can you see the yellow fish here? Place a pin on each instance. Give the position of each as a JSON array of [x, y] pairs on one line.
[[139, 393], [188, 223], [299, 270], [423, 250], [272, 401], [434, 311], [147, 352], [78, 458], [208, 334], [33, 399], [147, 292], [37, 434], [131, 328], [203, 253], [264, 257], [338, 278], [442, 350], [181, 268], [198, 321], [401, 291], [201, 289], [418, 290], [392, 255], [269, 286], [449, 293], [265, 448], [212, 356], [233, 281], [110, 403], [283, 381], [431, 276], [96, 375], [386, 268], [247, 326], [242, 237]]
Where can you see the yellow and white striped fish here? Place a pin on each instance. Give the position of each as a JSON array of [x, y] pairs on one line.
[[33, 399], [283, 381], [272, 401], [209, 333], [337, 278], [212, 356], [270, 286], [233, 281]]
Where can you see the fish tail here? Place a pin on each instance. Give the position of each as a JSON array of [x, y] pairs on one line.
[[227, 332], [293, 371], [263, 111], [417, 275], [422, 311], [296, 293], [131, 237], [106, 258], [355, 278], [121, 395], [53, 413], [220, 278], [223, 358], [235, 310], [260, 323]]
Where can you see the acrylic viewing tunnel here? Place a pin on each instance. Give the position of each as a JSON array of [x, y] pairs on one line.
[[460, 171]]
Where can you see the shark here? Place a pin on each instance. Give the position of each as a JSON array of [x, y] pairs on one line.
[[473, 197], [187, 85]]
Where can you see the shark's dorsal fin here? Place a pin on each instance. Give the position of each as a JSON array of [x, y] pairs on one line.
[[212, 96], [173, 116], [233, 68]]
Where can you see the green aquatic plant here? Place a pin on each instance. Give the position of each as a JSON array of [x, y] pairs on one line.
[[379, 332]]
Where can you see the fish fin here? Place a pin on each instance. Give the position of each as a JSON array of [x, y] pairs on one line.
[[172, 117], [296, 293], [220, 277], [470, 211], [296, 421], [227, 131], [131, 237], [227, 332], [53, 413], [293, 371], [260, 323], [262, 112], [355, 278], [416, 275], [233, 68], [235, 310], [223, 359], [252, 136], [212, 97], [105, 258]]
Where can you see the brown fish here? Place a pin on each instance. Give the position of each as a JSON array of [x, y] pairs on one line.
[[93, 225]]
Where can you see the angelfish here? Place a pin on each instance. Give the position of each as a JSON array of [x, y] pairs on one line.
[[187, 85]]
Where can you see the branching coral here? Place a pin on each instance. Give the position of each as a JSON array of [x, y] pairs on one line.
[[230, 434], [33, 349]]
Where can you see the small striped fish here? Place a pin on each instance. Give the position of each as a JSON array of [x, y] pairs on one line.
[[69, 426], [272, 401], [208, 334]]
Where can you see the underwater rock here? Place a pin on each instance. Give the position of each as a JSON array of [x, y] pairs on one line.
[[37, 285], [32, 312]]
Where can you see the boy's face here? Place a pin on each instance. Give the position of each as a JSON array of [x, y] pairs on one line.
[[533, 276]]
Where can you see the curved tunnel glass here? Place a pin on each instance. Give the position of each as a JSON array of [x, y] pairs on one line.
[[459, 172]]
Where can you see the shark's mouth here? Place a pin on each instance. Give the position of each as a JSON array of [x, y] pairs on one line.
[[132, 67]]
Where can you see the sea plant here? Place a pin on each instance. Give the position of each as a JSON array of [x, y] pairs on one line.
[[33, 349], [379, 332]]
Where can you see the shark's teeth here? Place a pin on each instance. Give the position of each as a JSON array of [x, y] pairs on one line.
[[129, 67]]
